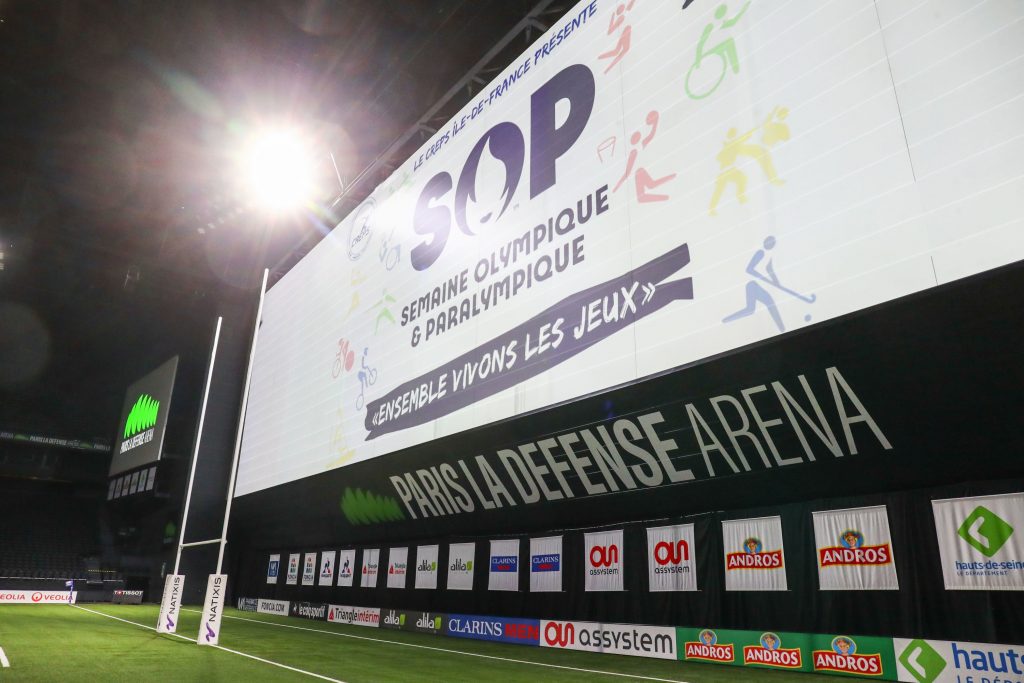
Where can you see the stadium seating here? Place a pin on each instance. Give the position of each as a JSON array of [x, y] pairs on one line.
[[46, 533]]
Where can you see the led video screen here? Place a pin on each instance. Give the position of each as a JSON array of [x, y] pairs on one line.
[[648, 185]]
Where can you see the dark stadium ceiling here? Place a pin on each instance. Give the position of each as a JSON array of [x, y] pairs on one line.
[[116, 117]]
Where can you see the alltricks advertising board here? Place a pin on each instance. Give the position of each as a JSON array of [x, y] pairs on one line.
[[650, 184]]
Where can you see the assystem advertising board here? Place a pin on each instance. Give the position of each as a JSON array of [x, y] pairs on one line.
[[650, 184]]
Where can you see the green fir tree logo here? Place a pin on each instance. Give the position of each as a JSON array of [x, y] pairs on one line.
[[365, 507], [142, 416]]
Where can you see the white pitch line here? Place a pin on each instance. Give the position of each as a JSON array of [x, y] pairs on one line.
[[219, 647], [3, 659], [456, 652]]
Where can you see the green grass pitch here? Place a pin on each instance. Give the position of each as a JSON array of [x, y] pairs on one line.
[[64, 643]]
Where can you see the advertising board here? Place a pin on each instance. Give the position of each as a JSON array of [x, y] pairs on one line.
[[140, 437], [640, 190]]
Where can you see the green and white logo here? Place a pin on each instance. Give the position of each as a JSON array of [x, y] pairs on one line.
[[922, 661], [142, 416], [985, 531]]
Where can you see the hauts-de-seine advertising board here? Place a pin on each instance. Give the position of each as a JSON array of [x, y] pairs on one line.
[[647, 186]]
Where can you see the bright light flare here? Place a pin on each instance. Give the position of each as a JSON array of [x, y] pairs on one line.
[[277, 170]]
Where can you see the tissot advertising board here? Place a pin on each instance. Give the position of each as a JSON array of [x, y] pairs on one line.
[[639, 190], [140, 433]]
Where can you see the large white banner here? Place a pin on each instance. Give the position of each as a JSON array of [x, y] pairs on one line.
[[426, 567], [546, 564], [346, 566], [460, 566], [854, 550], [273, 568], [754, 557], [602, 558], [293, 570], [398, 567], [371, 567], [942, 661], [671, 561], [327, 568], [309, 569], [687, 168], [503, 572], [981, 542]]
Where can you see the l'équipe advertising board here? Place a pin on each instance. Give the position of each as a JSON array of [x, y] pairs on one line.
[[587, 220]]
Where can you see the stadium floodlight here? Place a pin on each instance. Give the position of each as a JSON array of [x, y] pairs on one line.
[[277, 169]]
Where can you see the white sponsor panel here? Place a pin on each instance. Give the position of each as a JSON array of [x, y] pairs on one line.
[[346, 566], [23, 597], [327, 568], [309, 569], [398, 567], [273, 568], [460, 566], [943, 661], [293, 569], [658, 642], [272, 606], [981, 542], [671, 558], [503, 566], [592, 138], [356, 616], [754, 557], [854, 550], [602, 560], [170, 604], [371, 568], [426, 567], [213, 609], [546, 564]]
